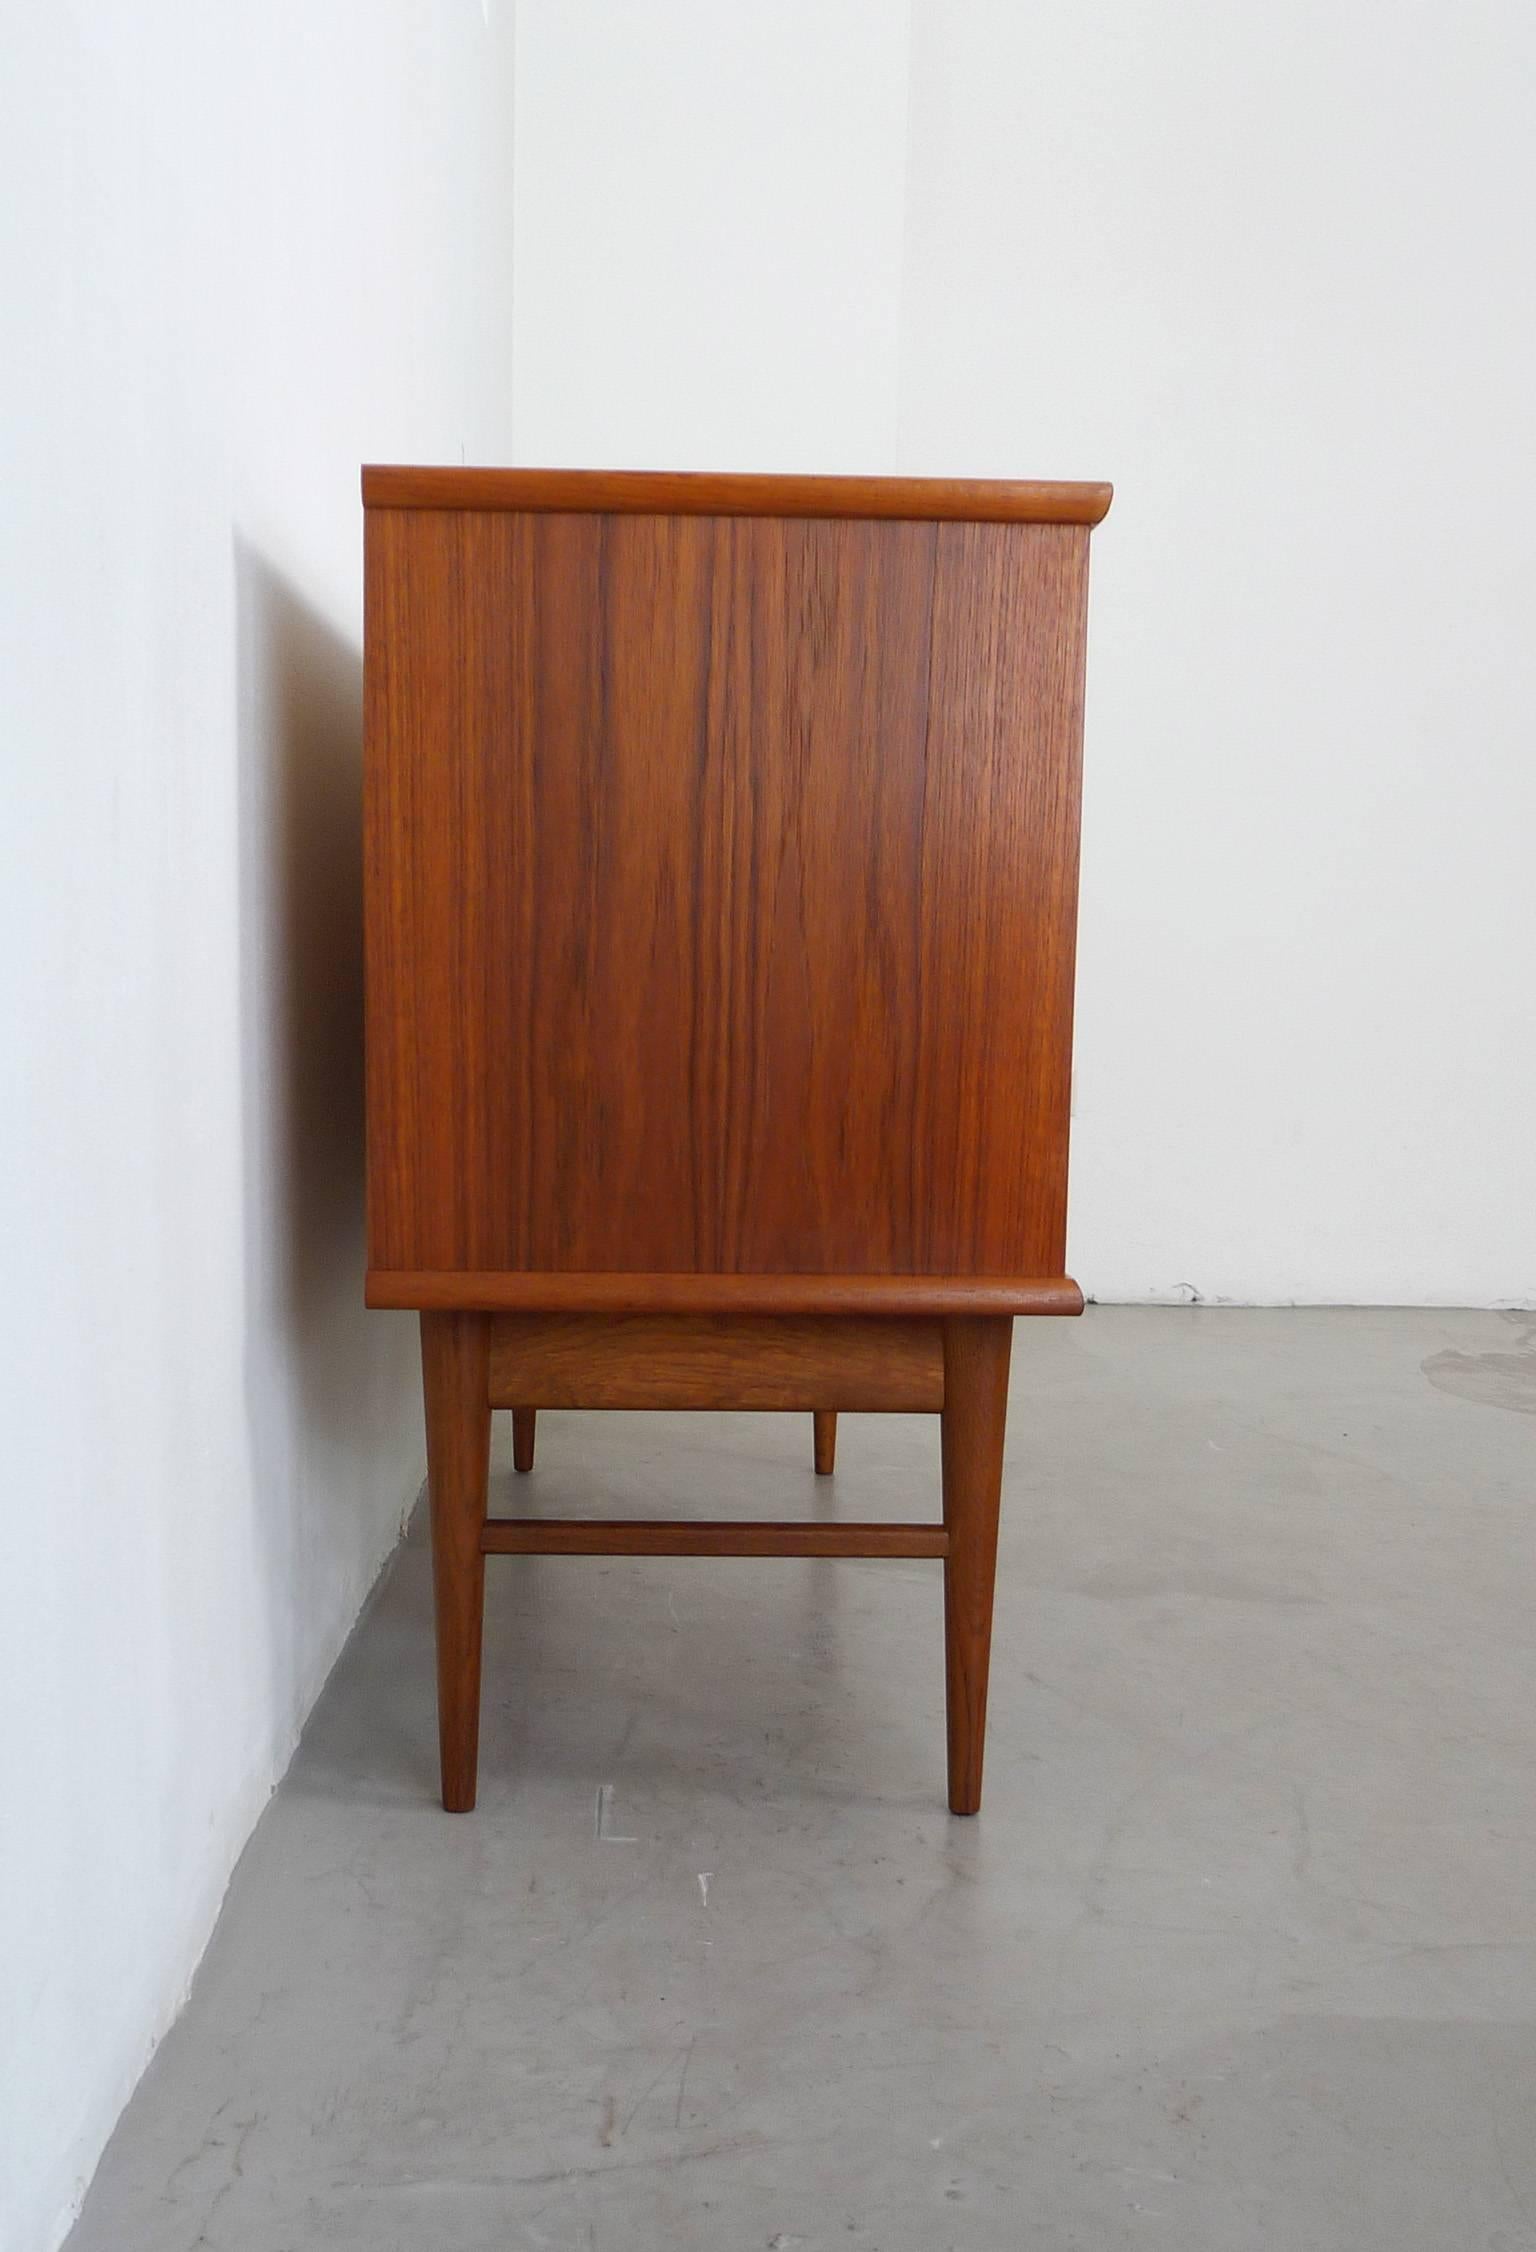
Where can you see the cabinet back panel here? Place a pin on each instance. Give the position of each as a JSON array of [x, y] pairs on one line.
[[721, 890]]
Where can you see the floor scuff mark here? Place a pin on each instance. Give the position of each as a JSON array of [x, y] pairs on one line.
[[1501, 1380], [602, 1815]]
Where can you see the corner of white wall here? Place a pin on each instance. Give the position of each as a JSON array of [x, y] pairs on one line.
[[246, 252]]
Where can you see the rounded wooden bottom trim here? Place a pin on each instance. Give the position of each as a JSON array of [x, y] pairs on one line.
[[449, 1291]]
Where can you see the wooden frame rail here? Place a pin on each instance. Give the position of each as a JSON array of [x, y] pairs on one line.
[[873, 1364], [688, 1536]]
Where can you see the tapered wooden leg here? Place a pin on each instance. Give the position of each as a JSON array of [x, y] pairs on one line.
[[976, 1352], [524, 1424], [825, 1425], [456, 1382]]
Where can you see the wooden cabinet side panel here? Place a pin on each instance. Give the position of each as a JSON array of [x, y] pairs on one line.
[[720, 878]]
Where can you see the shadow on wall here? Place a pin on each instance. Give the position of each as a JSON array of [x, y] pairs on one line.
[[331, 1392]]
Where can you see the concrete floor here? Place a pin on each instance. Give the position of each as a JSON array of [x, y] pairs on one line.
[[1241, 1952]]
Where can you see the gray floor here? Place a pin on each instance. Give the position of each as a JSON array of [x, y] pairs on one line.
[[1241, 1952]]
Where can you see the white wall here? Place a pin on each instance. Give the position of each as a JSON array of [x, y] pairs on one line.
[[243, 250], [709, 233], [1268, 270]]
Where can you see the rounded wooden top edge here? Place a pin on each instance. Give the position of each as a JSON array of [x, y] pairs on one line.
[[643, 492], [461, 1291]]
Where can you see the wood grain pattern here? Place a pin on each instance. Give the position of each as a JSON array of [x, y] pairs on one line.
[[721, 880], [593, 1536], [713, 1361], [725, 1294], [618, 492], [976, 1354], [453, 1368]]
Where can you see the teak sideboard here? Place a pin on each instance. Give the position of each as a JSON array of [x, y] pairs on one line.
[[720, 848]]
